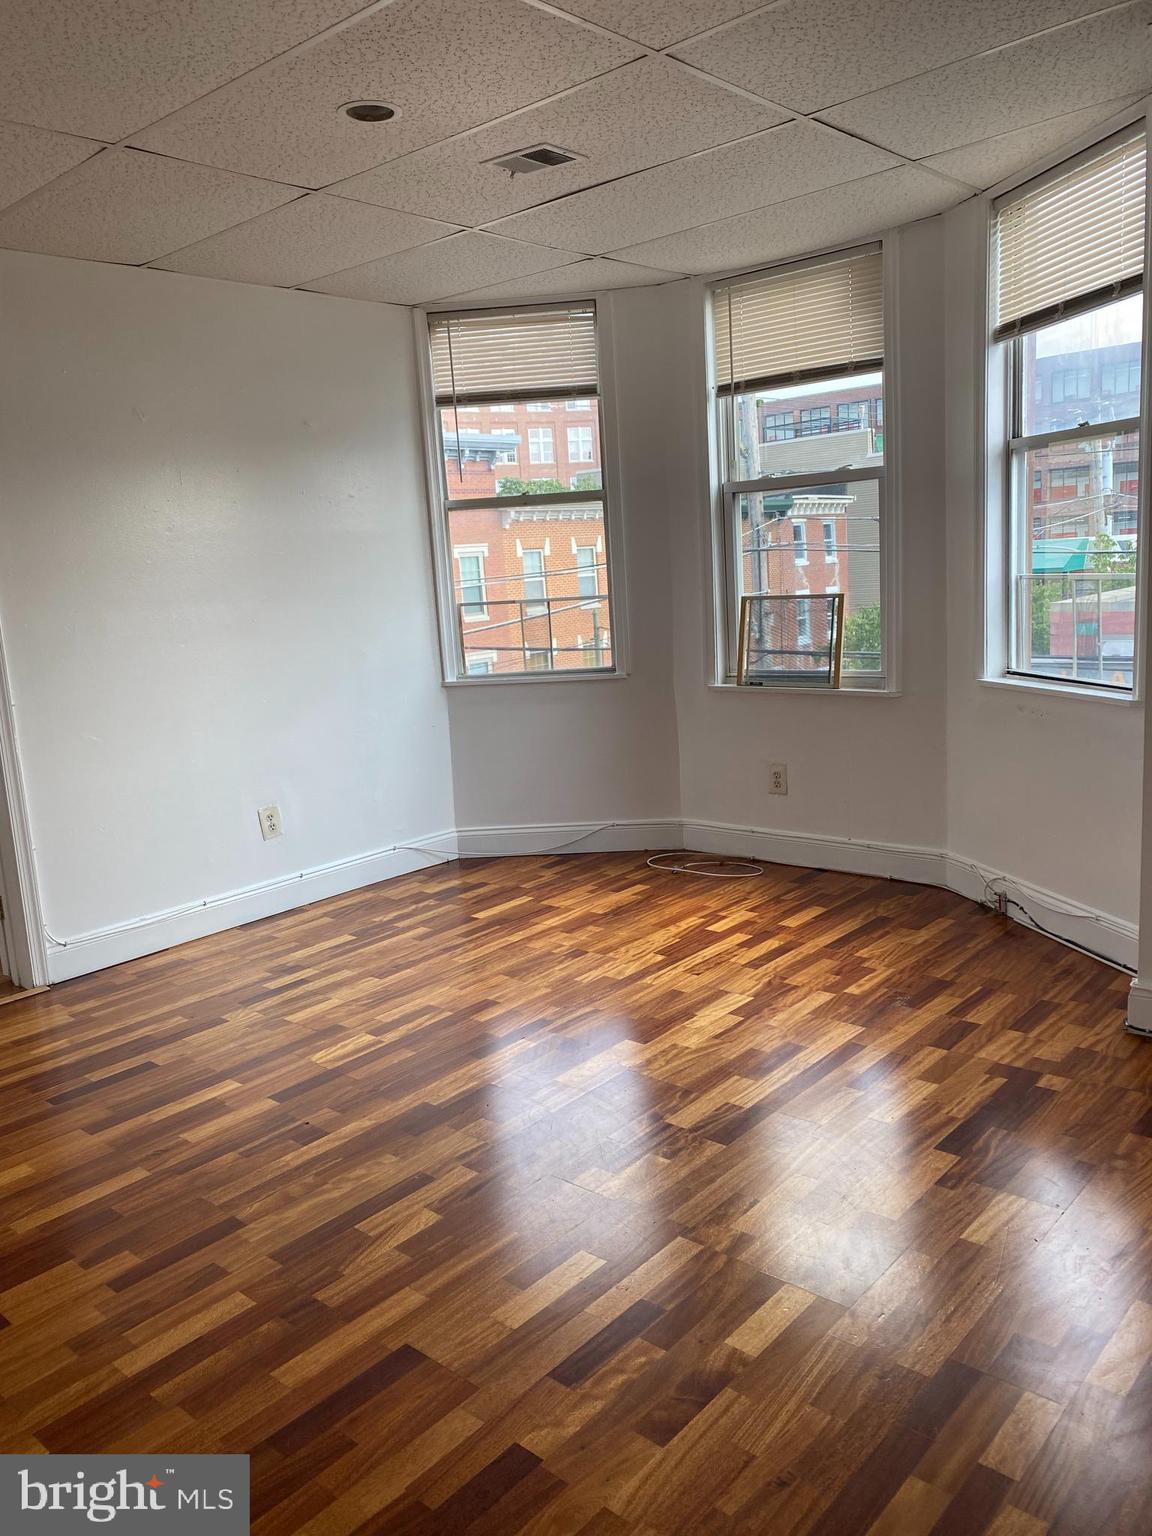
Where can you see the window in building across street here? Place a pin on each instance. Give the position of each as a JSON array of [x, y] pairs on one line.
[[1067, 322], [581, 449], [587, 570], [540, 445], [804, 510], [778, 426], [524, 567], [535, 582], [471, 584]]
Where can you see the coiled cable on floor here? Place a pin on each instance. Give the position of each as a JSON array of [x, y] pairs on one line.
[[709, 868]]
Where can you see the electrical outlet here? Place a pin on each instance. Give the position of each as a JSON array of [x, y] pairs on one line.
[[271, 824], [777, 778]]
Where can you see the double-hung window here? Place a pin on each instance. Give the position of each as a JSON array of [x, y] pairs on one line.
[[804, 344], [1067, 323], [510, 605]]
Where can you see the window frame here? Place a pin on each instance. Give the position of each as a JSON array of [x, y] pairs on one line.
[[723, 629], [615, 555], [998, 408]]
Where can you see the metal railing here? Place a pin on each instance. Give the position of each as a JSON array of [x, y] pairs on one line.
[[520, 633], [1077, 626]]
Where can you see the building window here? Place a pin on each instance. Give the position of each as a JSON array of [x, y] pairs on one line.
[[778, 427], [577, 405], [581, 448], [782, 336], [473, 594], [587, 571], [540, 445], [1067, 517], [816, 419], [535, 582], [502, 609]]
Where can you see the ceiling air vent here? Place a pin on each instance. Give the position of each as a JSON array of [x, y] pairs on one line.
[[541, 157]]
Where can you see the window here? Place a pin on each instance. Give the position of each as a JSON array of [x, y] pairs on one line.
[[471, 585], [784, 338], [535, 582], [540, 445], [580, 446], [577, 405], [1068, 255], [509, 604], [778, 426], [587, 571]]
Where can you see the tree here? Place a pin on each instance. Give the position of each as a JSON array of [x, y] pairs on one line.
[[513, 487], [1110, 558], [862, 634]]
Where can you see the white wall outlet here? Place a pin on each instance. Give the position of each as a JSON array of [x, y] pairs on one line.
[[777, 778], [271, 822]]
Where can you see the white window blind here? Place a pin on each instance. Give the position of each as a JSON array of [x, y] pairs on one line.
[[810, 321], [1070, 240], [508, 355]]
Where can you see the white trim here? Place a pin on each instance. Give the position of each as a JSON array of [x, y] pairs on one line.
[[569, 837], [24, 916], [1140, 1007], [81, 953]]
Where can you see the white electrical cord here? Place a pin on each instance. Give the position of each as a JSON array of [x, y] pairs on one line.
[[722, 869]]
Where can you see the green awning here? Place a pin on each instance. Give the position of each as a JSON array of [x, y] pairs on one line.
[[1055, 555]]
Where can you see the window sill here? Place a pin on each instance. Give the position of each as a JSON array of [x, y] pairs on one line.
[[533, 679], [1059, 690], [809, 693]]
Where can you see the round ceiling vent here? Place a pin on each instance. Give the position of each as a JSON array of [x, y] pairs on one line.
[[369, 111]]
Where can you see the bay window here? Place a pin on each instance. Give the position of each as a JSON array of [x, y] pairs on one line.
[[798, 378], [511, 603], [1068, 262]]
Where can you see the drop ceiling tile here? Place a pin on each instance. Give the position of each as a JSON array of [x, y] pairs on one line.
[[767, 168], [988, 161], [107, 67], [593, 275], [857, 210], [446, 65], [811, 53], [29, 157], [658, 22], [1078, 66], [302, 240], [650, 112], [125, 206], [455, 265]]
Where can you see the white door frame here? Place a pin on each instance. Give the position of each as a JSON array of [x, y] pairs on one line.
[[23, 920]]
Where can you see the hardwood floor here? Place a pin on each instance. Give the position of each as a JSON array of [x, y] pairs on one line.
[[561, 1195]]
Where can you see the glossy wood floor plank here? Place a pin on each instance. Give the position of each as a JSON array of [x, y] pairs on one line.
[[565, 1196]]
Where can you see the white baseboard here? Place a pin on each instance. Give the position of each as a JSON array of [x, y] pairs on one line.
[[569, 837], [85, 952], [1108, 936], [1140, 1007]]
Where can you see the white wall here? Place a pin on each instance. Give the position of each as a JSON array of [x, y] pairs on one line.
[[542, 754], [215, 590], [1045, 787]]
